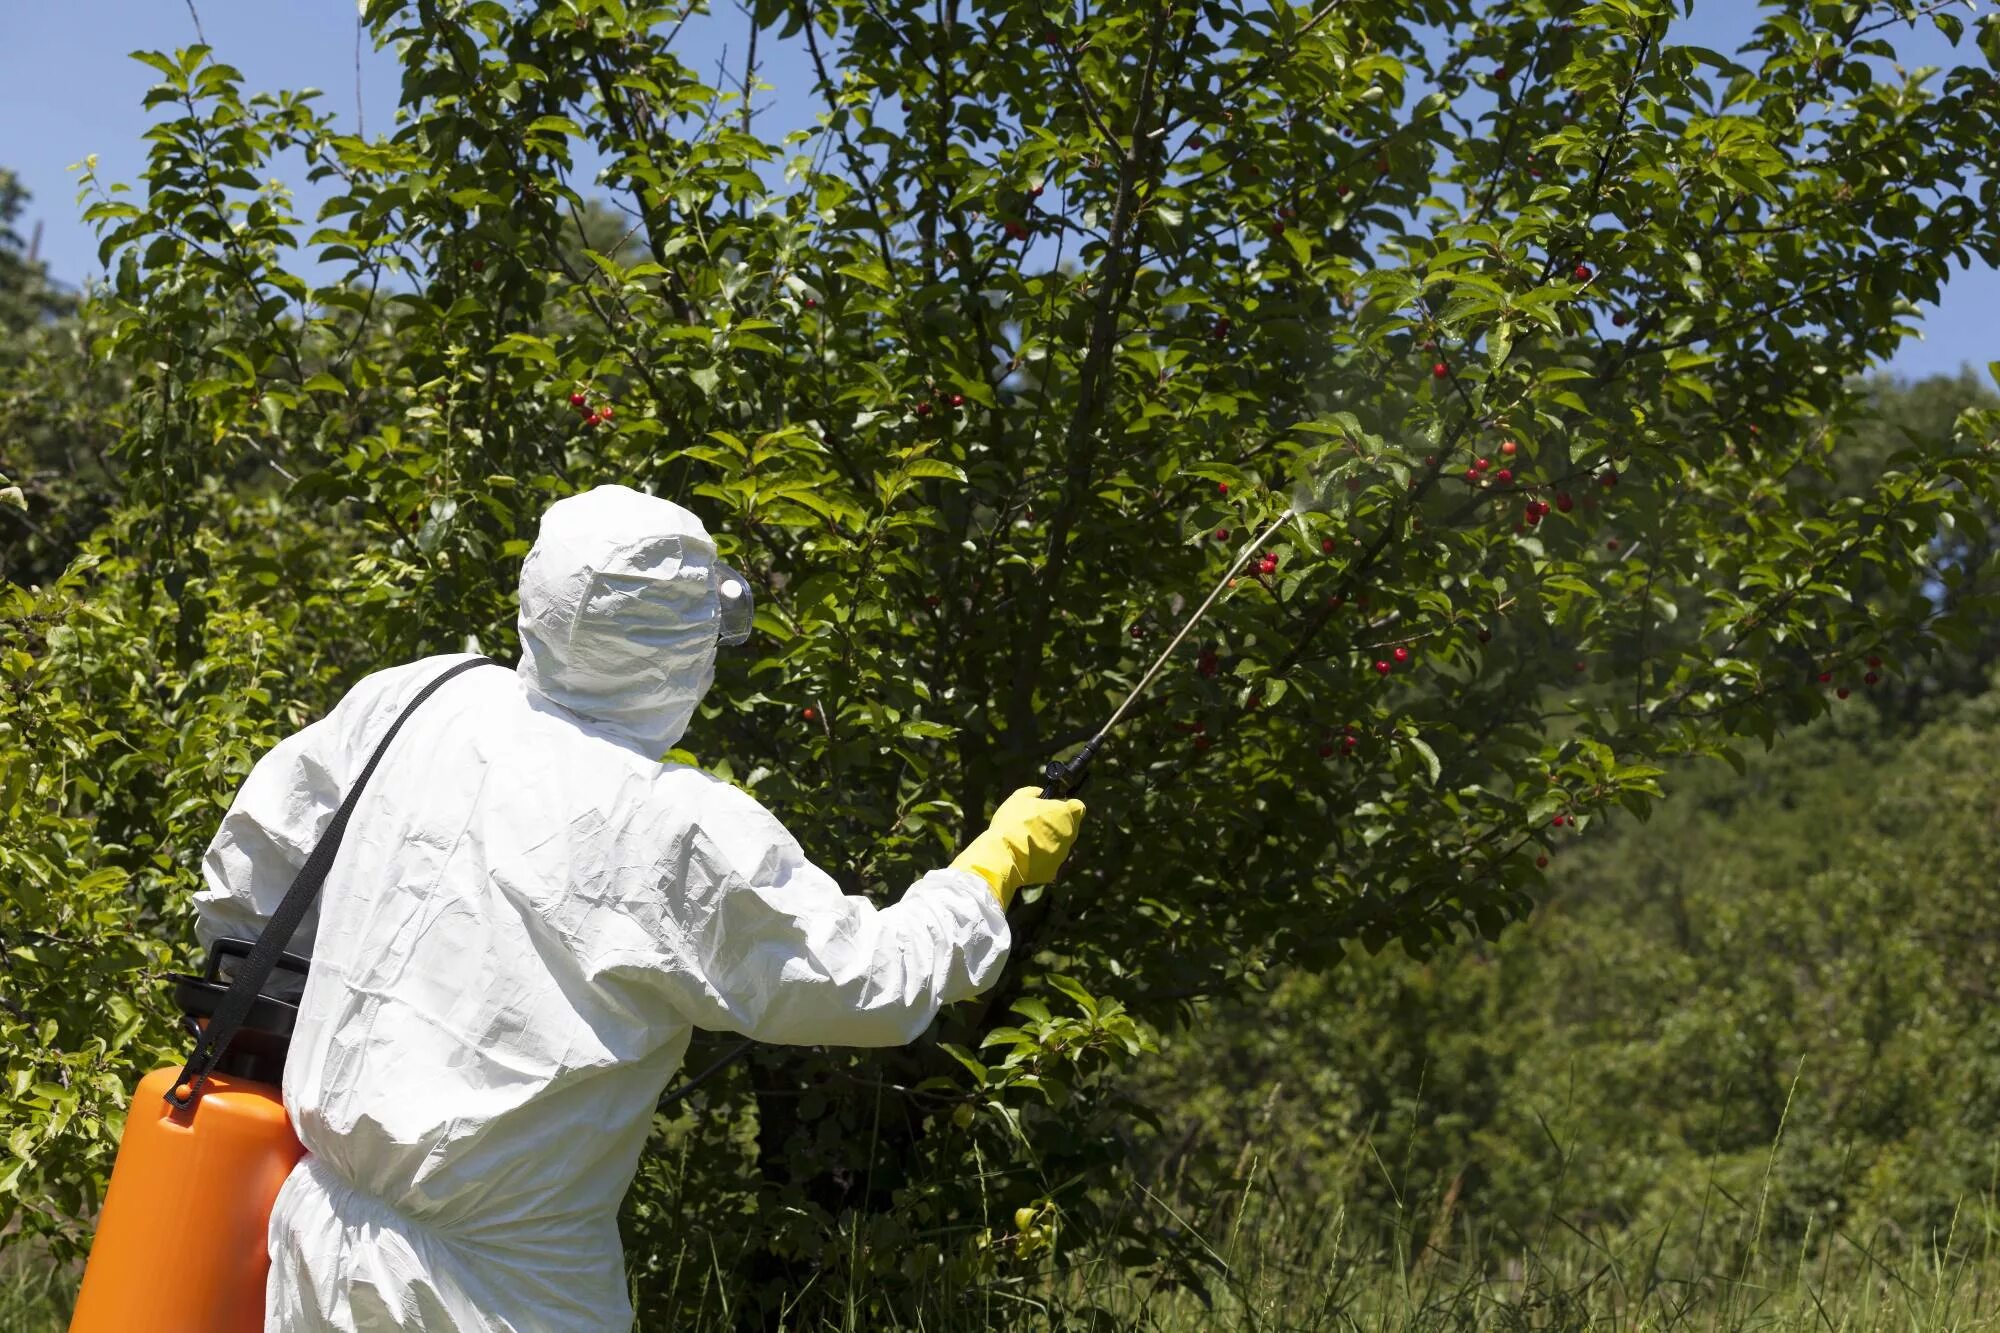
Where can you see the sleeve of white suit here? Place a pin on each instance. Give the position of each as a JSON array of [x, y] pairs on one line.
[[285, 805], [769, 947], [277, 816]]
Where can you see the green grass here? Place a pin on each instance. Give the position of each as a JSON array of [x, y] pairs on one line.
[[35, 1293], [1322, 1268]]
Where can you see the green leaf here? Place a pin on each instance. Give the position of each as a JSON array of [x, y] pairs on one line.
[[920, 468], [1428, 755]]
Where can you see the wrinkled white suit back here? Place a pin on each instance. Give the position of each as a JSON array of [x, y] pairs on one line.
[[528, 915]]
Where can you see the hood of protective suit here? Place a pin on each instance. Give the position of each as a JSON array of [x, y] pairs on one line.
[[619, 615]]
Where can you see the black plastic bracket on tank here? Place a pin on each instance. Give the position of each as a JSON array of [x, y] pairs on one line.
[[257, 1049]]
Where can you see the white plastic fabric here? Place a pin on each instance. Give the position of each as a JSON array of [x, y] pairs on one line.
[[528, 915]]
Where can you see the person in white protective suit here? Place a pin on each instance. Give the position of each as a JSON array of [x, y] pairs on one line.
[[529, 914]]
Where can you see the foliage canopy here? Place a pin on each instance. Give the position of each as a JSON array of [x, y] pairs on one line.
[[982, 380]]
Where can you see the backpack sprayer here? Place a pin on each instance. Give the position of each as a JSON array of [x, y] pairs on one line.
[[181, 1240]]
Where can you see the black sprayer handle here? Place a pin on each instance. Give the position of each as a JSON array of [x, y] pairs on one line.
[[1061, 780]]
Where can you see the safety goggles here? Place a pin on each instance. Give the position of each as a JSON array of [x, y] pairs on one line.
[[734, 607]]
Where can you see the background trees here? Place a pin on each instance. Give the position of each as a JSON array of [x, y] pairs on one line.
[[981, 381]]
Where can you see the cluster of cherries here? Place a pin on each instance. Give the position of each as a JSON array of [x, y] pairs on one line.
[[955, 401], [1871, 679], [591, 416], [1347, 744]]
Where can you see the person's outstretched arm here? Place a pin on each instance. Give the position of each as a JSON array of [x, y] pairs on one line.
[[764, 943]]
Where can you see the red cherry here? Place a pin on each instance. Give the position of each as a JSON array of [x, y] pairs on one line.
[[1222, 534], [1533, 515], [1402, 655], [1277, 229], [1826, 677], [1256, 701], [1201, 742], [1583, 273], [1440, 370], [1874, 661], [577, 400], [1870, 679], [1472, 474], [1508, 447], [1608, 479], [1348, 743], [1485, 635], [1222, 488], [1220, 329], [1542, 862], [1326, 545], [1195, 141], [808, 714], [924, 408], [1610, 543], [1563, 502], [478, 266], [1430, 460], [1557, 820], [1504, 475], [1336, 601], [1580, 666], [1843, 691], [1621, 319], [811, 304], [1326, 750], [1482, 463], [1383, 668], [958, 400], [605, 411], [1035, 191]]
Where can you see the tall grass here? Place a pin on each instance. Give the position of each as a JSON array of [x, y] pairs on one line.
[[35, 1294], [1279, 1265], [1322, 1267]]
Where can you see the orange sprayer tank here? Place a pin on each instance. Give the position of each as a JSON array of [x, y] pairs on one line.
[[181, 1239]]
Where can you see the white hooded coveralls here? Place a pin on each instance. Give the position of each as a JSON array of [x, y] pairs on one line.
[[528, 916]]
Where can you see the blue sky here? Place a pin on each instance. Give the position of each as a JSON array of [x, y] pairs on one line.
[[67, 90]]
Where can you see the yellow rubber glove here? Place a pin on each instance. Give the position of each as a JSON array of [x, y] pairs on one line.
[[1026, 843]]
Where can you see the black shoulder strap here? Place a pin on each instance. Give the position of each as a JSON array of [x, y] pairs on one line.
[[249, 978]]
